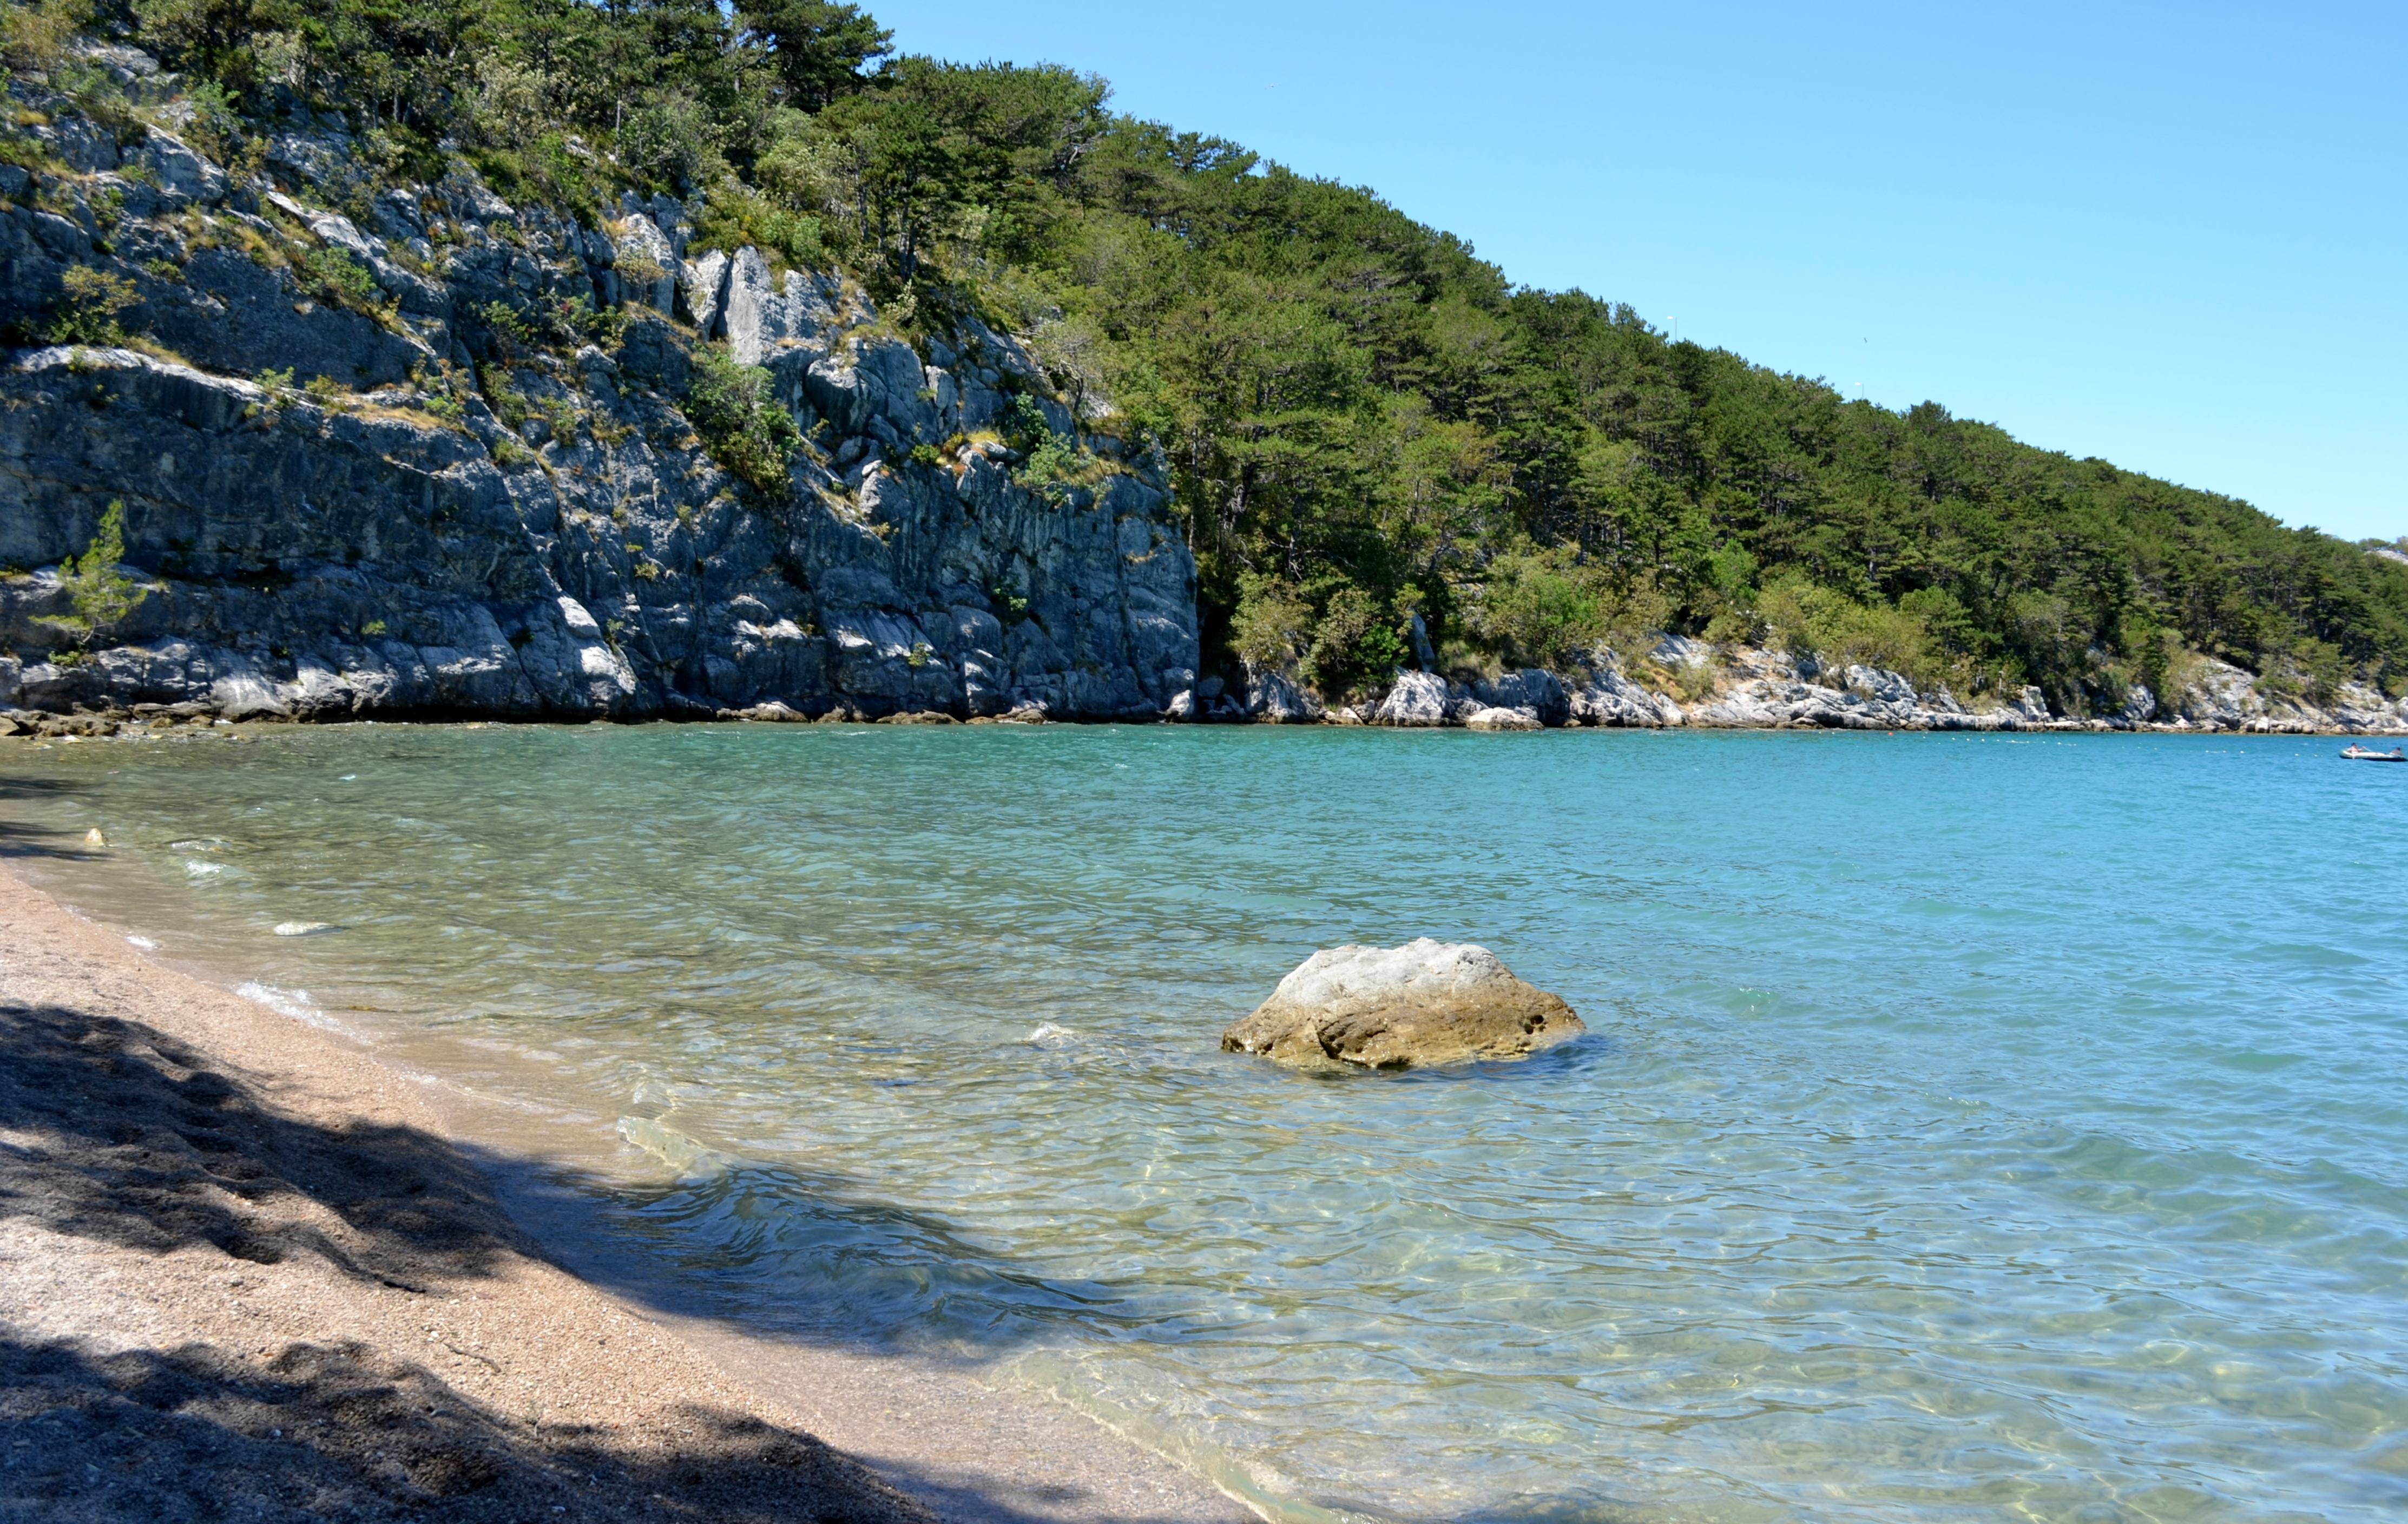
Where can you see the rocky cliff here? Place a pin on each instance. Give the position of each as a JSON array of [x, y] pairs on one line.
[[411, 450]]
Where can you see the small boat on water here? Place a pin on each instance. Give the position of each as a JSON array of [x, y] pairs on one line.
[[2355, 753]]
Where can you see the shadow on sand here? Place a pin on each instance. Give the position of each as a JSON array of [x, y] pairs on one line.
[[116, 1133]]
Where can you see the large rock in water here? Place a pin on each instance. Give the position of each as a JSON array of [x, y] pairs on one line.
[[1426, 1002]]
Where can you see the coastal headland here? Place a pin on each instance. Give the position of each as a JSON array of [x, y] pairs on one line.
[[301, 420], [246, 1267]]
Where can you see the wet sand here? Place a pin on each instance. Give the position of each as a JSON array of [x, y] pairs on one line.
[[246, 1270]]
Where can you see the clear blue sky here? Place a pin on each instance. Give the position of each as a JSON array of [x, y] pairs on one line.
[[2174, 236]]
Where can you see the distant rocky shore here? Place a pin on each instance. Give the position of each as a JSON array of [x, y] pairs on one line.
[[1689, 683], [1736, 689]]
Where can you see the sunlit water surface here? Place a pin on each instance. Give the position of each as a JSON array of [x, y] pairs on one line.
[[1971, 1127]]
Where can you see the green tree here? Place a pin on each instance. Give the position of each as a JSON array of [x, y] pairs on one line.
[[100, 593], [816, 50]]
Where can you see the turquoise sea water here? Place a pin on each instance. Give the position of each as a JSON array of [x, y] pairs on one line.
[[1972, 1127]]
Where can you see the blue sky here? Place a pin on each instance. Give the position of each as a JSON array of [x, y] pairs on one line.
[[2173, 235]]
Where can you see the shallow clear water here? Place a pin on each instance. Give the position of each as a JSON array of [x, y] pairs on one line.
[[1972, 1127]]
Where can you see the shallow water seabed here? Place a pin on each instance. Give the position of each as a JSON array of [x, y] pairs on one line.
[[1972, 1127]]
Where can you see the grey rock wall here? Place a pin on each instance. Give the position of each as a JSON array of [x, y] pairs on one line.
[[360, 553]]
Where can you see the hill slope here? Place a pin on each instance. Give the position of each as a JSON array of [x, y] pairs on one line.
[[1377, 444]]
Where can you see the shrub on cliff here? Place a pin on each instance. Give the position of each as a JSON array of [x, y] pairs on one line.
[[100, 595], [741, 425], [90, 303], [334, 276], [35, 33]]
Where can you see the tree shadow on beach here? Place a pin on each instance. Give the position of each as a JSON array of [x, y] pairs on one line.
[[143, 1144], [138, 1142], [324, 1434], [115, 1133]]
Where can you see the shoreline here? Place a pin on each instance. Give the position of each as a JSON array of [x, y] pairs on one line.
[[145, 721], [1681, 684], [355, 1310]]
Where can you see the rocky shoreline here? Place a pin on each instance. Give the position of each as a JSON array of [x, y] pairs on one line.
[[1744, 689], [1698, 686]]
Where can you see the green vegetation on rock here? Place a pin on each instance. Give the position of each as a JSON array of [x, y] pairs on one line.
[[91, 307], [740, 423], [100, 595]]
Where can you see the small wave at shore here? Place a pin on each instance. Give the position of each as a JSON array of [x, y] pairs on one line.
[[295, 1003]]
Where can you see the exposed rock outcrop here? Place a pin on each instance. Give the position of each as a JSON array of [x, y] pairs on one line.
[[1417, 700], [1744, 688], [1274, 698], [1608, 697], [496, 502], [1426, 1002], [1540, 693], [1496, 717]]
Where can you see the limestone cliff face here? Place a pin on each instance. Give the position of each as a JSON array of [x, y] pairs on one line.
[[389, 545]]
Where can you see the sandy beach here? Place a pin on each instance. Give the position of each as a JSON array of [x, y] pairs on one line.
[[247, 1271]]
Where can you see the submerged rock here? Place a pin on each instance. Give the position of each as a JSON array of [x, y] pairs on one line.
[[1426, 1002]]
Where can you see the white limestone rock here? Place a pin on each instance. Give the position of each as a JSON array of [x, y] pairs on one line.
[[641, 248], [1539, 692], [1417, 700], [1503, 719], [1388, 1008], [704, 291], [763, 316], [1610, 698], [1274, 698]]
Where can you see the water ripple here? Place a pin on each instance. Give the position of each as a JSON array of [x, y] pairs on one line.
[[1969, 1128]]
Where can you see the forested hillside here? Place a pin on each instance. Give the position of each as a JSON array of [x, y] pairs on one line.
[[1364, 422]]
